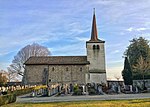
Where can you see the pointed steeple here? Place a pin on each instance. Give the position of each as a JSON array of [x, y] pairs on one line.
[[94, 35]]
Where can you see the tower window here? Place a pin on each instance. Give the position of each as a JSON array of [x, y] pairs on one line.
[[53, 69], [97, 46], [94, 47]]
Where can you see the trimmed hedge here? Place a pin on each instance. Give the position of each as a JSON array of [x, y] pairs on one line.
[[22, 91], [5, 99], [11, 96]]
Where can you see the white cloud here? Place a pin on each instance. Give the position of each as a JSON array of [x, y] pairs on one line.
[[82, 39], [130, 29], [141, 29]]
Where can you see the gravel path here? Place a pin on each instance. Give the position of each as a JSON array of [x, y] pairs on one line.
[[24, 99]]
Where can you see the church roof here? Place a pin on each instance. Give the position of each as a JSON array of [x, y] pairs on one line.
[[94, 34], [57, 60]]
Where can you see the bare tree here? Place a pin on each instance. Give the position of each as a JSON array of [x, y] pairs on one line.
[[3, 78], [142, 67], [22, 56], [11, 75]]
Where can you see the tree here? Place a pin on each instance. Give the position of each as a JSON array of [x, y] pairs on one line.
[[3, 78], [11, 75], [138, 47], [142, 67], [127, 73], [138, 53], [26, 52]]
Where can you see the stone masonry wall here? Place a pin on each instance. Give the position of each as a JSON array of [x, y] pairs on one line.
[[35, 74], [66, 74], [96, 57]]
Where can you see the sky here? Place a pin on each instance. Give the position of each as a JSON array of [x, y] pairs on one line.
[[64, 26]]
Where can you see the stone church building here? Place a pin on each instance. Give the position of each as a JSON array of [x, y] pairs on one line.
[[70, 69]]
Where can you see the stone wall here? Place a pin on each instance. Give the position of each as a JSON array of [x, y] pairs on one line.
[[34, 74], [96, 78], [65, 74], [139, 83]]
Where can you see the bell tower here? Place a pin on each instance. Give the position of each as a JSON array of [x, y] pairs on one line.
[[96, 56]]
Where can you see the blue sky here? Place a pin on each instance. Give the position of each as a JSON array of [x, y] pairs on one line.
[[64, 26]]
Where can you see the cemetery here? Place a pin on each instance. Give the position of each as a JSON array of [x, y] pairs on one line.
[[9, 94]]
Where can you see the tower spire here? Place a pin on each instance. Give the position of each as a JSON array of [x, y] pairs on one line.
[[94, 35]]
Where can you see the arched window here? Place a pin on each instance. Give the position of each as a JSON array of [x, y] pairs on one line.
[[81, 69], [97, 46], [67, 69], [94, 47], [53, 69]]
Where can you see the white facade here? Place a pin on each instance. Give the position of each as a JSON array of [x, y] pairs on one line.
[[96, 57], [96, 78]]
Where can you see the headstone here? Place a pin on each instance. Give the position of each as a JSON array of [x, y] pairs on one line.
[[83, 87], [131, 88], [119, 91], [71, 88], [100, 91], [136, 90]]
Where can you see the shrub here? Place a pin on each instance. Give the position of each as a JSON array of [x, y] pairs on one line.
[[22, 91], [92, 91], [5, 99], [77, 92]]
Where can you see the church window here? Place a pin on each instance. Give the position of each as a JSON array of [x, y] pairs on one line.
[[80, 69], [94, 47], [67, 69], [53, 69], [88, 76], [97, 46]]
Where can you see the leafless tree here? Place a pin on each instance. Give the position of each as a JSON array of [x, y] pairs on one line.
[[3, 78], [11, 75], [35, 49], [142, 66]]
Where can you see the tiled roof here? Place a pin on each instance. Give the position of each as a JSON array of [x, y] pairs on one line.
[[57, 60]]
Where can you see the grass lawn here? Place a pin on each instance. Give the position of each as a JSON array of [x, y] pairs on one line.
[[113, 103]]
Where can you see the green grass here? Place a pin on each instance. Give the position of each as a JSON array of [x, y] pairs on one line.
[[113, 103]]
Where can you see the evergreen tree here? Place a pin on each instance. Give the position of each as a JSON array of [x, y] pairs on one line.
[[139, 47], [127, 73]]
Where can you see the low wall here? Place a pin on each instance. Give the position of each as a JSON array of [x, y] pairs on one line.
[[140, 83]]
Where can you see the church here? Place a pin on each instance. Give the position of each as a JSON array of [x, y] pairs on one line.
[[70, 69]]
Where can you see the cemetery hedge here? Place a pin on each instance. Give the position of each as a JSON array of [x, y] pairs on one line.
[[22, 91], [9, 98]]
